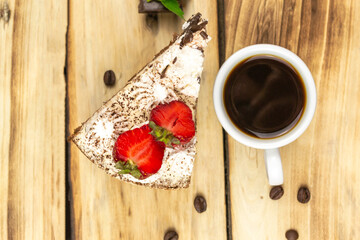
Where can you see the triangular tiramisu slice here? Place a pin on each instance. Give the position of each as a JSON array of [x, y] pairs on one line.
[[171, 79]]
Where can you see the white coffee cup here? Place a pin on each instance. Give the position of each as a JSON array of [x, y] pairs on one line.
[[272, 145]]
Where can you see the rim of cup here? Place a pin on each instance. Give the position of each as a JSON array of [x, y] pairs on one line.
[[299, 66]]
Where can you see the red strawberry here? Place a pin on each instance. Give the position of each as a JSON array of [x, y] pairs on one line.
[[138, 153], [173, 123]]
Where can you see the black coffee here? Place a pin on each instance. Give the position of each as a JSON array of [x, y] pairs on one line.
[[264, 96]]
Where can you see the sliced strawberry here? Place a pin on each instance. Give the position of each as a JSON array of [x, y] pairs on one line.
[[176, 118], [138, 153]]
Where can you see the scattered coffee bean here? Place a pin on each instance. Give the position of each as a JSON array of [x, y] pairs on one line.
[[303, 195], [109, 78], [291, 234], [171, 235], [276, 193], [200, 204]]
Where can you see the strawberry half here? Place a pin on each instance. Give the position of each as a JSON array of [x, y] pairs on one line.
[[172, 123], [136, 152]]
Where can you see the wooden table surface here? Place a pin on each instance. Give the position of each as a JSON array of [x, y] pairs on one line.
[[53, 55]]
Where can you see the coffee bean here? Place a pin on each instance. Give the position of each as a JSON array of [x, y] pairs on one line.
[[109, 78], [291, 234], [276, 193], [171, 235], [303, 195], [200, 204]]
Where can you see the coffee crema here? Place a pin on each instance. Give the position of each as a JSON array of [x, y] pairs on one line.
[[264, 96]]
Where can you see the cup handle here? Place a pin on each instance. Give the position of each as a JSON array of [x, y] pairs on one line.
[[273, 167]]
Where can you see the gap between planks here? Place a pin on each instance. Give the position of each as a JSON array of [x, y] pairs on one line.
[[222, 47], [68, 193]]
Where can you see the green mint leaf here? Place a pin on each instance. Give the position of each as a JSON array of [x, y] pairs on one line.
[[119, 165], [173, 6], [126, 171], [153, 125], [136, 173], [127, 165], [175, 141], [130, 165], [149, 0]]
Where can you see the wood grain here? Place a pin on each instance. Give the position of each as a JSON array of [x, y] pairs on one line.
[[112, 35], [326, 157], [32, 109]]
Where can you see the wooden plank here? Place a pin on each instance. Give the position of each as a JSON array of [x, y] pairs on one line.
[[112, 35], [32, 109], [326, 157]]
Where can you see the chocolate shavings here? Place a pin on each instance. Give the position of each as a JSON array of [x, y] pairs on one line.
[[204, 35], [162, 75]]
